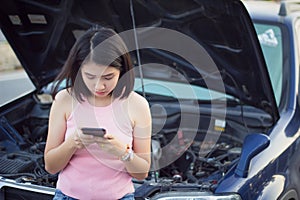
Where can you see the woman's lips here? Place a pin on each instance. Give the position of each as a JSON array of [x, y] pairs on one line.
[[100, 92]]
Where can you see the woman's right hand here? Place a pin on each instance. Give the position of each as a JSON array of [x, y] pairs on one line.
[[82, 140]]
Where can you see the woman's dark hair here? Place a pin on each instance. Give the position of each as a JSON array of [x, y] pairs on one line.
[[102, 46]]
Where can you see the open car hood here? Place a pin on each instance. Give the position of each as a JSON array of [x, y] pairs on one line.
[[42, 33]]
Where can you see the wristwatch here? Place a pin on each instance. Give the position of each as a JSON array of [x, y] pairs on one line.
[[128, 156]]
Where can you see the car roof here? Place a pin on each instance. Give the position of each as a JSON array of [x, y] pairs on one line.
[[273, 10]]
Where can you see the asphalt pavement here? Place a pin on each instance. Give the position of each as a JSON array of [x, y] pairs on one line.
[[13, 84]]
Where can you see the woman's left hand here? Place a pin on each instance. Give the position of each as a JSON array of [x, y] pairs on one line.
[[111, 145]]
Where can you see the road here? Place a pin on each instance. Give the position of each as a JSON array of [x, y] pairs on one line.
[[13, 85]]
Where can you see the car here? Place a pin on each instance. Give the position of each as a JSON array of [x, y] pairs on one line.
[[221, 78], [278, 29]]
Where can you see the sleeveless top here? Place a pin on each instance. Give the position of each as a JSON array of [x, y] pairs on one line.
[[91, 172]]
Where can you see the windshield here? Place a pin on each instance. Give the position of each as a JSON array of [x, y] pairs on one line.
[[270, 38], [178, 90]]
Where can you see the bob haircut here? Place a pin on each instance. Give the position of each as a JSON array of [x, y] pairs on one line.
[[101, 46]]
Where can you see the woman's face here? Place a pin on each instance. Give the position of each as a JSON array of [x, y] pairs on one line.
[[100, 80]]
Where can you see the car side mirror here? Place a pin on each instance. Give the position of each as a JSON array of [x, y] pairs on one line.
[[253, 144]]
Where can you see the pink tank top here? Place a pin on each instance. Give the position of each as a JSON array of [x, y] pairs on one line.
[[92, 173]]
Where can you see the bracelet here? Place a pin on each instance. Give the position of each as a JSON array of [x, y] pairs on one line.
[[128, 156]]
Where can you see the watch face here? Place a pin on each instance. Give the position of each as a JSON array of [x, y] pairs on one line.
[[128, 156], [131, 154]]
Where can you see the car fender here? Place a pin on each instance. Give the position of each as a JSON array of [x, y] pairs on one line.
[[273, 189]]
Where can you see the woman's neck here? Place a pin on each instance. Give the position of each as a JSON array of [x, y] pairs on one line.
[[100, 101]]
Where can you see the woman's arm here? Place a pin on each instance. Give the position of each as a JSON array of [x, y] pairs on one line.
[[58, 151], [139, 112]]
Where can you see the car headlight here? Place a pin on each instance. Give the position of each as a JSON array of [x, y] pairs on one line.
[[194, 196]]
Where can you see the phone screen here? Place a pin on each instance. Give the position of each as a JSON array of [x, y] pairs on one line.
[[100, 132]]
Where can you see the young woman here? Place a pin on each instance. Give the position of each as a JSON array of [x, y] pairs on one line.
[[99, 94]]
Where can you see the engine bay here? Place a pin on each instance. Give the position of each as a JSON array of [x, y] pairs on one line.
[[198, 166]]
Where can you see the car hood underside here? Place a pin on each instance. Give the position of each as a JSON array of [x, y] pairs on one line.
[[42, 33]]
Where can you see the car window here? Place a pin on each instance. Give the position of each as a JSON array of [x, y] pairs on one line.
[[270, 38], [298, 38], [14, 81]]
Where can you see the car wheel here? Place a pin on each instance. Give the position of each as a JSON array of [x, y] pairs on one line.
[[290, 195]]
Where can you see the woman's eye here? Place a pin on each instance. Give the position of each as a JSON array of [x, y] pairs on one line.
[[90, 76], [108, 78]]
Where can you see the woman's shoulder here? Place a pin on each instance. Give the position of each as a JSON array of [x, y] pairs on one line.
[[63, 102], [63, 96], [139, 110], [137, 103], [136, 99]]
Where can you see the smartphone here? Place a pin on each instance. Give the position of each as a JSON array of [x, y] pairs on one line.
[[99, 132]]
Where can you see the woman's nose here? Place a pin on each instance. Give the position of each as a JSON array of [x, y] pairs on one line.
[[100, 85]]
